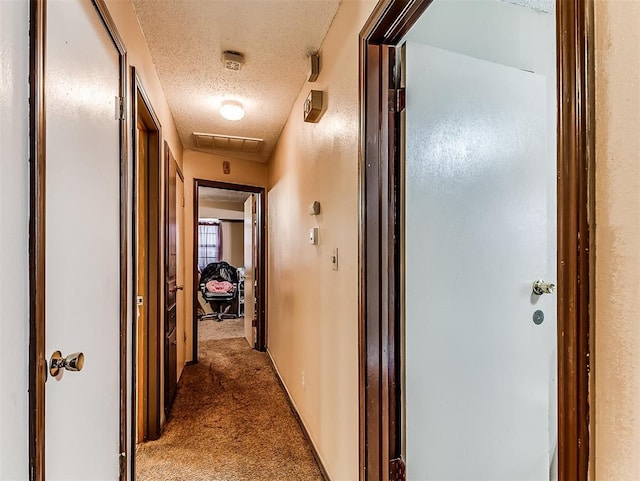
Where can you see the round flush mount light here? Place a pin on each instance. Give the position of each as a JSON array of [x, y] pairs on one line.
[[231, 110]]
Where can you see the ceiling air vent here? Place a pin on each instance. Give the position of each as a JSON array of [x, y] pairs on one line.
[[232, 60], [228, 143]]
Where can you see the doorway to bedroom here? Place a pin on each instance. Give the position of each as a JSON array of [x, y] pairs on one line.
[[228, 262], [225, 258]]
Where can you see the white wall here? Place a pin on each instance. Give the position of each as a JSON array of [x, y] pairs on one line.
[[221, 210], [232, 232], [14, 263], [498, 32], [490, 30]]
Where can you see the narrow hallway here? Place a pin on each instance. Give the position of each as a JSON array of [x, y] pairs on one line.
[[231, 421]]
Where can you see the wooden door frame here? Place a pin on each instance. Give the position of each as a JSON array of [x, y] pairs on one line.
[[37, 234], [168, 161], [146, 115], [379, 308], [180, 175], [261, 324]]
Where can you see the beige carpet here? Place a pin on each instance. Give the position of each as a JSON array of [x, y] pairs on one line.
[[230, 422], [226, 329]]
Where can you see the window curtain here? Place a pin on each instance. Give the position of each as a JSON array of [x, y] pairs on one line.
[[209, 243]]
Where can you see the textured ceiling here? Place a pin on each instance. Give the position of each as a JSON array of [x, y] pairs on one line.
[[211, 194], [187, 38]]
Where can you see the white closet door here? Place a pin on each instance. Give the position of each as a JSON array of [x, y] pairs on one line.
[[82, 242], [480, 373]]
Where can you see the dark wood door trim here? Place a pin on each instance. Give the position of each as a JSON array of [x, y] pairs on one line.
[[379, 307], [142, 111], [169, 312], [261, 325], [37, 234], [576, 207], [37, 211]]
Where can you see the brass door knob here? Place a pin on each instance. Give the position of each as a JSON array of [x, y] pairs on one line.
[[73, 362], [541, 287]]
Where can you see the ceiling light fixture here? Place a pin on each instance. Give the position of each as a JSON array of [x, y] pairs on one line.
[[232, 110]]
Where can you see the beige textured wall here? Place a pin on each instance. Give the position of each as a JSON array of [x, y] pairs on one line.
[[616, 452], [138, 56], [199, 165], [233, 243], [313, 310]]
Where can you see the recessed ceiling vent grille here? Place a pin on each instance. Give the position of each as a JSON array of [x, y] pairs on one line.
[[228, 143]]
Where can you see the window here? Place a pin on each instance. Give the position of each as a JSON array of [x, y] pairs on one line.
[[209, 242]]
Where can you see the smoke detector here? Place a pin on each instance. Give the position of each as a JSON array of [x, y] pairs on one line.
[[232, 60]]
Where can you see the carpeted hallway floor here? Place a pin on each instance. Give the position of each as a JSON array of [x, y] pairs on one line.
[[231, 421], [211, 329]]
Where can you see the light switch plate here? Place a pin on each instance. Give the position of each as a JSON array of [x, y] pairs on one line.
[[334, 259], [313, 235]]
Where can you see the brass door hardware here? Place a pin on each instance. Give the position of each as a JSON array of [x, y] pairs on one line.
[[541, 287], [73, 362]]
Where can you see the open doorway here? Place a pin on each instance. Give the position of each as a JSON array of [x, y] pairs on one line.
[[494, 167], [408, 341], [229, 291], [226, 252]]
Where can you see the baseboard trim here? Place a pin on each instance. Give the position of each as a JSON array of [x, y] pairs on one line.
[[294, 410]]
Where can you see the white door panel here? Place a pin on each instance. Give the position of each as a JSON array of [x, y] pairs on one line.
[[82, 242], [480, 374], [249, 270]]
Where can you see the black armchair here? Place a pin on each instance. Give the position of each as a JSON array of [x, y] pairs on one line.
[[220, 302]]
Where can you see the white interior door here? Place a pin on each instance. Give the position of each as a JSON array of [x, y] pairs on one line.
[[480, 221], [82, 80], [249, 270]]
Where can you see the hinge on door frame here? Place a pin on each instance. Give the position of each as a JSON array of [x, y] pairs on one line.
[[119, 108], [397, 470], [123, 465], [397, 100]]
